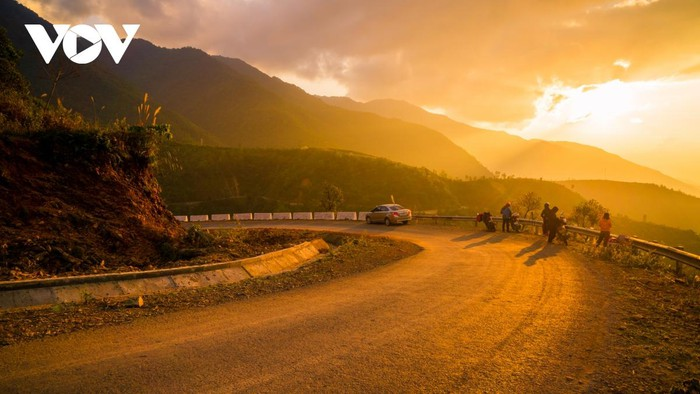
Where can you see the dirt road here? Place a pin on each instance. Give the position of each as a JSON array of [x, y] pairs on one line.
[[475, 311]]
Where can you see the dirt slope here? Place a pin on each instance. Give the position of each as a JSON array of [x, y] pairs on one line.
[[76, 203]]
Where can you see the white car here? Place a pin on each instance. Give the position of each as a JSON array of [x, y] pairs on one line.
[[389, 214]]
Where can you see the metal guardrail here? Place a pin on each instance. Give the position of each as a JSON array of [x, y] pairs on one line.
[[672, 253]]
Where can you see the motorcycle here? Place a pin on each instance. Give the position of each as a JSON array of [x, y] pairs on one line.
[[515, 223], [562, 232], [488, 221]]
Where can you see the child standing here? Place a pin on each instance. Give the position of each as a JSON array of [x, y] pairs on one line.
[[605, 226]]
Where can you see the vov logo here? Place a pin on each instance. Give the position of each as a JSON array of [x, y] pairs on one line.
[[69, 36]]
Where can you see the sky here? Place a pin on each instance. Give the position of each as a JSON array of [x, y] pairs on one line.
[[623, 75]]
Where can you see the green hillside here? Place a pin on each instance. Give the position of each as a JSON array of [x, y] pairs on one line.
[[208, 180]]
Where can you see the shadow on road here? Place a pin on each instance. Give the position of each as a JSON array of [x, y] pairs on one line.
[[467, 237], [545, 250], [495, 238], [538, 244]]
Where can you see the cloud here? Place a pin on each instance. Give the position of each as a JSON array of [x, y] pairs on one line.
[[634, 3], [479, 60], [625, 64]]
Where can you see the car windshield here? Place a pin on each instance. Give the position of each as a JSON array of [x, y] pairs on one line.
[[395, 207]]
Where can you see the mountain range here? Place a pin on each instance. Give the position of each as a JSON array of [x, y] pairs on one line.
[[226, 102], [219, 101], [513, 155]]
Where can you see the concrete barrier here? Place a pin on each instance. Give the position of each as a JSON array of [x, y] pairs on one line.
[[284, 260], [361, 216], [302, 216], [242, 216], [220, 217], [18, 294], [262, 216], [181, 218], [346, 216], [199, 218], [282, 216], [324, 215]]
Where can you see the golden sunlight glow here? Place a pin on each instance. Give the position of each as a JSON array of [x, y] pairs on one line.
[[605, 108], [601, 103], [435, 110], [634, 119], [317, 86], [634, 3]]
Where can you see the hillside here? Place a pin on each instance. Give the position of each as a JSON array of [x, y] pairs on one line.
[[73, 199], [659, 205], [208, 180], [224, 102], [247, 109], [665, 234], [64, 211], [513, 155]]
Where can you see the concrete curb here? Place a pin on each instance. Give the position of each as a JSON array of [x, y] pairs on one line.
[[18, 294]]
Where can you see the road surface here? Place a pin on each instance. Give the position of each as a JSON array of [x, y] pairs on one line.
[[475, 311]]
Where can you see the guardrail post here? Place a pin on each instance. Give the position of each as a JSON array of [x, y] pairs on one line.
[[679, 265]]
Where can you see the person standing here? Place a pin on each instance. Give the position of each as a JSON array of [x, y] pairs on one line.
[[553, 223], [506, 213], [605, 226], [544, 215]]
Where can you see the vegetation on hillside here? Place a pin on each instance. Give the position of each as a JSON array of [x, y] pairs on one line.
[[209, 180], [664, 234], [659, 204]]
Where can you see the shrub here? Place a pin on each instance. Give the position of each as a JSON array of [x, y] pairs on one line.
[[198, 237], [168, 251]]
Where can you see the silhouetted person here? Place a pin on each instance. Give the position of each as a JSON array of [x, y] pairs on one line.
[[544, 215], [553, 223], [605, 226], [506, 214]]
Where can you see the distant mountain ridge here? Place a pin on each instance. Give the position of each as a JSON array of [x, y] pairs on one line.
[[226, 102], [514, 155]]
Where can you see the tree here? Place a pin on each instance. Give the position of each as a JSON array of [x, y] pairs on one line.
[[331, 197], [529, 202], [588, 212]]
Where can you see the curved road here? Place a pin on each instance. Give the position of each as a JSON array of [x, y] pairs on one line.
[[474, 311]]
